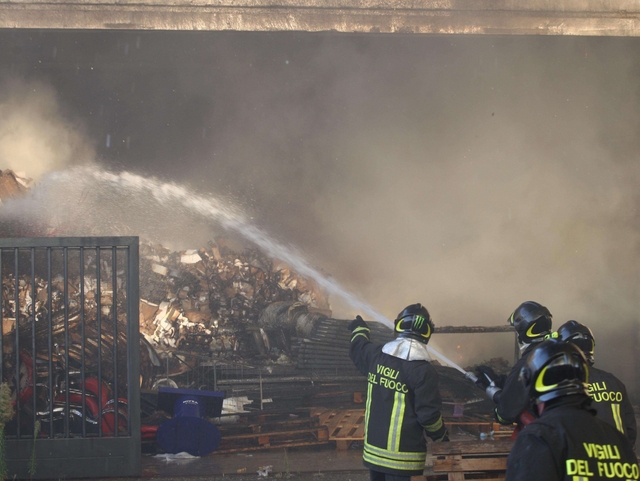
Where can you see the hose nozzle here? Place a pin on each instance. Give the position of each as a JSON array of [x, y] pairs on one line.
[[472, 377]]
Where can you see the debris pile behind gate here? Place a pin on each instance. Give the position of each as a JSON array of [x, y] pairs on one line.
[[208, 301], [70, 354]]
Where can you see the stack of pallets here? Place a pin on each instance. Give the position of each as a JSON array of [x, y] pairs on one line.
[[270, 432], [466, 460], [347, 425]]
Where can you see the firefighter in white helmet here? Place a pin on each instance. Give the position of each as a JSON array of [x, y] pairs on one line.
[[403, 401]]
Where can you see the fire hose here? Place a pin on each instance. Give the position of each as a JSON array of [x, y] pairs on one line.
[[380, 318], [468, 374], [525, 416]]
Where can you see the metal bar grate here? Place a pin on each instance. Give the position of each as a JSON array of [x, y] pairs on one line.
[[70, 372]]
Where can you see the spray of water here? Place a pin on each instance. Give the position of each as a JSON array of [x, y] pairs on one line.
[[227, 216]]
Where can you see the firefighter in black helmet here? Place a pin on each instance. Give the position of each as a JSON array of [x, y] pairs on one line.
[[608, 393], [567, 441], [403, 400], [532, 322]]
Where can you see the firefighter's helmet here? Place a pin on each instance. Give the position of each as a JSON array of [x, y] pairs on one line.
[[414, 322], [581, 336], [555, 368], [532, 322]]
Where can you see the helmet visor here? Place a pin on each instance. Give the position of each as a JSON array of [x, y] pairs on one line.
[[562, 369], [585, 344]]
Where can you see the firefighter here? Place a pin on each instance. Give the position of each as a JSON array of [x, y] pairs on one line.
[[532, 322], [403, 401], [566, 441], [608, 393]]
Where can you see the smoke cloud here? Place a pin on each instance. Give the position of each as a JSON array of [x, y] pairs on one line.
[[35, 136], [466, 173]]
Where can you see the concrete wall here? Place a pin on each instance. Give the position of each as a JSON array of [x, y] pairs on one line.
[[519, 17]]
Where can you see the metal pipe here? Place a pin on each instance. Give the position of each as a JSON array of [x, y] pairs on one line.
[[17, 316], [65, 255], [33, 332], [83, 379], [99, 340], [133, 339], [114, 310], [50, 343]]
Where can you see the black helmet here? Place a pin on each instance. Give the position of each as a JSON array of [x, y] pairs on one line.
[[555, 368], [532, 322], [415, 322], [581, 336]]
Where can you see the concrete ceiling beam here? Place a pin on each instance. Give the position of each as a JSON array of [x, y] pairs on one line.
[[501, 17]]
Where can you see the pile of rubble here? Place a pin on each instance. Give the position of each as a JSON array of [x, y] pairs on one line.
[[208, 301], [194, 305], [58, 322]]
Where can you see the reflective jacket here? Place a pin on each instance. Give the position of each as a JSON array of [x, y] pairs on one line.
[[403, 404], [569, 443], [612, 403]]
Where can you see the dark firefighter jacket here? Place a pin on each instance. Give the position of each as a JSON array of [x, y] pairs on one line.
[[513, 398], [403, 403], [569, 443], [612, 403]]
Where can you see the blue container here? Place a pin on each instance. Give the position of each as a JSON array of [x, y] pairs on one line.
[[188, 430], [188, 406], [189, 434], [210, 401]]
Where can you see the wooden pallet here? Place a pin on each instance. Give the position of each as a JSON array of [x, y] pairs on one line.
[[344, 426], [270, 435], [466, 460], [347, 426]]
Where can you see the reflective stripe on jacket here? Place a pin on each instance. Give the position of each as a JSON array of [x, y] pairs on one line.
[[403, 404], [611, 401], [568, 443]]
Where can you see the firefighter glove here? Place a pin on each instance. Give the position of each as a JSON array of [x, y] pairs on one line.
[[356, 323], [486, 377], [487, 372]]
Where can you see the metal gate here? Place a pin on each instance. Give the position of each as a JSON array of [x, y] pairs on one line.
[[70, 356]]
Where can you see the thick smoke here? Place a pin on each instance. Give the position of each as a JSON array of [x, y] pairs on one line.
[[35, 135], [467, 173]]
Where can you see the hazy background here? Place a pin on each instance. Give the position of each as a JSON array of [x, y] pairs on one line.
[[467, 173]]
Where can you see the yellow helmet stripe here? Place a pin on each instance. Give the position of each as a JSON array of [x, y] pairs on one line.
[[428, 333], [530, 332], [540, 386]]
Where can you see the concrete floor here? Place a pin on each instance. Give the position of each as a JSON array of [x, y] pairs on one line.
[[316, 461]]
